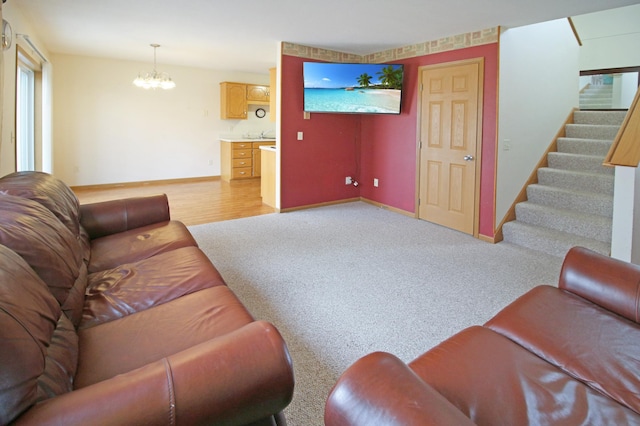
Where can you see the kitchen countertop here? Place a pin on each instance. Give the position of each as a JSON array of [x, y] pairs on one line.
[[248, 140]]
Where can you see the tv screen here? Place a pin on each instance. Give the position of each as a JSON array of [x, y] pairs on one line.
[[352, 88]]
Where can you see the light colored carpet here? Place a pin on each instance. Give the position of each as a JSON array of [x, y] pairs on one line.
[[342, 281]]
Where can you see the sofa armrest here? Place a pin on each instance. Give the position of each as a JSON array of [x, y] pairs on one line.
[[110, 217], [237, 378], [610, 283], [380, 389]]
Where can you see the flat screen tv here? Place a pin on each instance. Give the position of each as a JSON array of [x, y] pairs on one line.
[[352, 88]]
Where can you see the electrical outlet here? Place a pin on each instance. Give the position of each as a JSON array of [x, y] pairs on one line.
[[300, 136], [348, 180], [375, 182], [506, 144]]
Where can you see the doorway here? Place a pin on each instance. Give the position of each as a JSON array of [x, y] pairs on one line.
[[450, 132]]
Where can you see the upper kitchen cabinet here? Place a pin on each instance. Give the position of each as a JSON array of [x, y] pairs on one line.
[[272, 99], [257, 94], [233, 101], [235, 97]]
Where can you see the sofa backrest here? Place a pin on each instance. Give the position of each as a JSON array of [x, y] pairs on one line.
[[47, 190], [39, 353], [608, 282], [49, 247]]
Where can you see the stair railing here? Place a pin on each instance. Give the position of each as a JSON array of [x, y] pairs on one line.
[[625, 149]]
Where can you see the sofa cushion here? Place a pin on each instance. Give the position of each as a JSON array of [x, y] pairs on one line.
[[134, 287], [33, 232], [137, 244], [130, 342], [495, 381], [604, 350], [47, 190], [38, 357]]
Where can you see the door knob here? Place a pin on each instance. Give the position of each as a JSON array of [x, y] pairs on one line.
[[468, 158]]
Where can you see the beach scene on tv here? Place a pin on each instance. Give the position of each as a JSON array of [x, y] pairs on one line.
[[352, 88]]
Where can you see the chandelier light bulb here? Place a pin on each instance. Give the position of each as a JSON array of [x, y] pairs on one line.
[[154, 79]]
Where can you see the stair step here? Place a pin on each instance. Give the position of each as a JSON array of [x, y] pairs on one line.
[[614, 118], [596, 94], [572, 203], [592, 131], [606, 87], [576, 180], [585, 225], [584, 146], [595, 107], [549, 241], [596, 101], [561, 198], [578, 162]]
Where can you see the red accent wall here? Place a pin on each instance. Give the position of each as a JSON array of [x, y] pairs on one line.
[[313, 169], [380, 146]]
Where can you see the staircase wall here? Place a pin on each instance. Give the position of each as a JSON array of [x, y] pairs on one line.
[[538, 87], [615, 40], [625, 236]]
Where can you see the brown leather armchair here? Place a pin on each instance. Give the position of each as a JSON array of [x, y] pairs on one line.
[[566, 355]]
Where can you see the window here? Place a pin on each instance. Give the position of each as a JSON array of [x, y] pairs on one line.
[[28, 129], [25, 123]]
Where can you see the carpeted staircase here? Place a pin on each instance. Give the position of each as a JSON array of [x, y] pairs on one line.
[[597, 96], [572, 203]]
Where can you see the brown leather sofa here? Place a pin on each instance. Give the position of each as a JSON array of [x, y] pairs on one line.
[[566, 355], [110, 314]]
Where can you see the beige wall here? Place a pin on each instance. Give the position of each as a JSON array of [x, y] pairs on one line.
[[8, 81], [106, 130]]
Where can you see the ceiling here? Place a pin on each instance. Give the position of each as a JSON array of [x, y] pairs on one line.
[[244, 35]]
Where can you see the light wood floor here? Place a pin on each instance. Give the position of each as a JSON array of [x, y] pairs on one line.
[[191, 201]]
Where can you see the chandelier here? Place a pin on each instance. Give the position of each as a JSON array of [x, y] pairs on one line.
[[154, 79]]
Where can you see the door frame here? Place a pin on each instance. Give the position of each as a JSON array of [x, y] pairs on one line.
[[477, 154]]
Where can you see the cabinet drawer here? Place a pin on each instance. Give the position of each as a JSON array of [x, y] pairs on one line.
[[242, 153], [241, 172], [241, 145], [242, 162]]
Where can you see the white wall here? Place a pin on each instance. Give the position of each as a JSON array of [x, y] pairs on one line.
[[628, 88], [625, 235], [538, 83], [106, 130], [610, 38]]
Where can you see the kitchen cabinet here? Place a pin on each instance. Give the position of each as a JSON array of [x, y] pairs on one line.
[[233, 101], [257, 158], [257, 94], [272, 97], [236, 97], [241, 159], [268, 180]]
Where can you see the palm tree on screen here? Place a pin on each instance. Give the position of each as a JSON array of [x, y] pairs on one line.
[[364, 80], [391, 77]]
